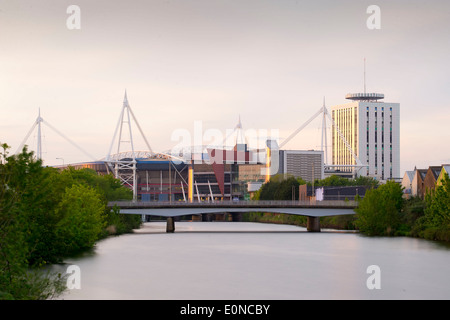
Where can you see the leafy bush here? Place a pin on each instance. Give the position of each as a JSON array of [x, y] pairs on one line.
[[379, 212]]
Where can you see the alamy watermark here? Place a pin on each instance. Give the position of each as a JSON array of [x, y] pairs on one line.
[[251, 146], [374, 280], [74, 278], [374, 20], [73, 22]]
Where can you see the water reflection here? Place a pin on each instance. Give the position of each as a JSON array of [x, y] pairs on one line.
[[230, 260]]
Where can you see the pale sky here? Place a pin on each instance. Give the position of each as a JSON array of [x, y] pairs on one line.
[[270, 61]]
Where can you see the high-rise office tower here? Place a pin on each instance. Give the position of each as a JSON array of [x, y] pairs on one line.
[[372, 129]]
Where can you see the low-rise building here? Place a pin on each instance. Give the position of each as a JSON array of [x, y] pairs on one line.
[[417, 186], [429, 182], [419, 182], [407, 182], [445, 170]]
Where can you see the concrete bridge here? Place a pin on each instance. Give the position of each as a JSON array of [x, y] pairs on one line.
[[312, 210]]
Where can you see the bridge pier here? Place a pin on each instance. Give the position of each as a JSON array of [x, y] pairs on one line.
[[313, 224], [170, 227]]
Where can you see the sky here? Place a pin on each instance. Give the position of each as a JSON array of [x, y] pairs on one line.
[[185, 62]]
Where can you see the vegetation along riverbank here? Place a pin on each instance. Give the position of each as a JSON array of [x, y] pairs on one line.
[[383, 211], [47, 215]]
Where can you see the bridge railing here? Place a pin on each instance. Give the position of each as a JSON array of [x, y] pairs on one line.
[[241, 203]]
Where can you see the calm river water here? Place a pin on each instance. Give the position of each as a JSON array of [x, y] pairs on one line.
[[239, 260]]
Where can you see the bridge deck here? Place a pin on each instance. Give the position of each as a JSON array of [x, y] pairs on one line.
[[335, 204], [173, 209]]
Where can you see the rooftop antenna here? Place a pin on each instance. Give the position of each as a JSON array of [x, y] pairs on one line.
[[365, 96], [364, 75]]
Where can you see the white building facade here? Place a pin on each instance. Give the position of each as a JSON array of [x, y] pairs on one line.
[[372, 129]]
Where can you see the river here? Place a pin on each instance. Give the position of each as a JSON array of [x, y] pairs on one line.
[[240, 260]]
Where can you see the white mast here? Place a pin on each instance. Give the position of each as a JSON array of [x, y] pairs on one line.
[[39, 138], [324, 133], [125, 169], [324, 111], [38, 123]]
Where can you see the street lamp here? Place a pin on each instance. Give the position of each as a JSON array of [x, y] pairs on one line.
[[62, 160]]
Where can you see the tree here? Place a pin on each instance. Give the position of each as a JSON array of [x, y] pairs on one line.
[[280, 189], [365, 181], [46, 215], [109, 189], [436, 221], [332, 181], [337, 181], [379, 212], [437, 211], [18, 229], [81, 218]]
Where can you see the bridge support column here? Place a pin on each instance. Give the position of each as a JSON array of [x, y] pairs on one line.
[[313, 224], [170, 228]]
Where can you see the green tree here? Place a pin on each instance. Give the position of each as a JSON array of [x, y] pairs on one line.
[[332, 181], [279, 188], [379, 212], [437, 211], [82, 219], [109, 189], [436, 221], [30, 184], [46, 215], [413, 213], [338, 181], [365, 181], [107, 186], [18, 230]]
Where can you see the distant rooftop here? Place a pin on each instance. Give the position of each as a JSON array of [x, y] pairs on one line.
[[364, 96]]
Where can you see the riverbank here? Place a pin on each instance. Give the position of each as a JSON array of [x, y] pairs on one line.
[[348, 223]]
